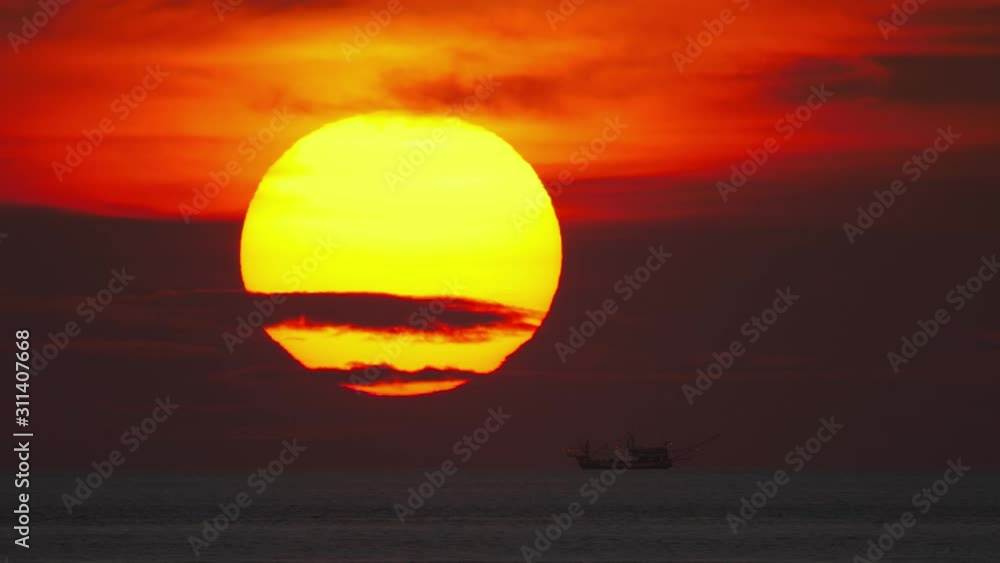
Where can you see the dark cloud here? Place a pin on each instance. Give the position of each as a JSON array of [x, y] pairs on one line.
[[942, 79], [791, 82], [964, 17], [395, 314], [164, 337], [508, 94]]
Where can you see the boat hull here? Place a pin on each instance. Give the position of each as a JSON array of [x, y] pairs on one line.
[[616, 463]]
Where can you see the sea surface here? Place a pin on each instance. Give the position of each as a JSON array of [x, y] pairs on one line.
[[677, 515]]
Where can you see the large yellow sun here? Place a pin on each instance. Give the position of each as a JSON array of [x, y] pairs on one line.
[[439, 221]]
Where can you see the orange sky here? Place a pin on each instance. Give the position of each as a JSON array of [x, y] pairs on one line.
[[554, 88]]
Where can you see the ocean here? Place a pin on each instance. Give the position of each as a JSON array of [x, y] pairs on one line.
[[677, 515]]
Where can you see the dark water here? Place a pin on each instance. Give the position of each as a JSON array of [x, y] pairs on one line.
[[487, 516]]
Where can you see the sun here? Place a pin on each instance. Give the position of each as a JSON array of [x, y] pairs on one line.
[[402, 247]]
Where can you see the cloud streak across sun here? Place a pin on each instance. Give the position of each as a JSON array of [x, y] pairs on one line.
[[348, 332]]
